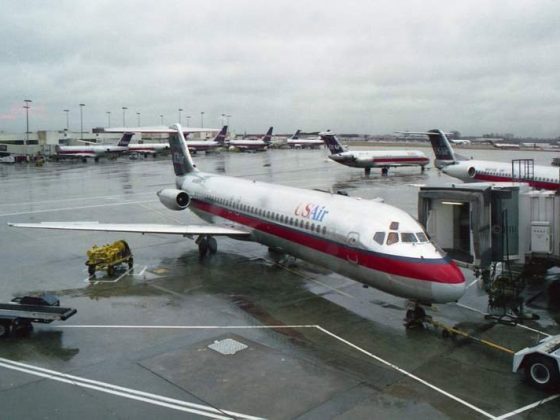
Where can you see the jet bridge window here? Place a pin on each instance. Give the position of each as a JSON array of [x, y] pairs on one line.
[[392, 238], [379, 237]]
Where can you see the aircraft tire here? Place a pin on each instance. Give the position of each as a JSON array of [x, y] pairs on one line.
[[5, 327], [212, 245], [202, 248]]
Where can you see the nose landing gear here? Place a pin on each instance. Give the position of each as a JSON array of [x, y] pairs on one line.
[[415, 315]]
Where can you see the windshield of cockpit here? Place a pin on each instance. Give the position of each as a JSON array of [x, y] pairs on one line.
[[393, 236]]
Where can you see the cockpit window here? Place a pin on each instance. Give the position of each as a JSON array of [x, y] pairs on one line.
[[379, 237], [421, 236], [408, 237], [392, 238], [394, 226]]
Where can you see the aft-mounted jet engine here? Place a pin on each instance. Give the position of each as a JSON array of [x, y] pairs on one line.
[[174, 199]]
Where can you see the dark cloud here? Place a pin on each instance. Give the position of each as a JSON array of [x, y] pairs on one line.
[[362, 66]]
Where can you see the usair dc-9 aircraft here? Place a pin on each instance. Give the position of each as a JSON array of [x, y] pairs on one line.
[[366, 240], [368, 159], [543, 177]]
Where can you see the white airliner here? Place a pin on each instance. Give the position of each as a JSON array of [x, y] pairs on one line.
[[208, 145], [295, 142], [538, 176], [257, 145], [148, 148], [92, 150], [371, 242], [460, 142], [383, 159]]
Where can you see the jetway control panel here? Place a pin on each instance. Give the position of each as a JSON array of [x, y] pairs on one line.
[[479, 224]]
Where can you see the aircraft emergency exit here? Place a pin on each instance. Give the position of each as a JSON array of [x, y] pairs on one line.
[[369, 241], [368, 159], [537, 176]]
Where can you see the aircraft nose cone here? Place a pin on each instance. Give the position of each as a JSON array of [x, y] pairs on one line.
[[449, 285]]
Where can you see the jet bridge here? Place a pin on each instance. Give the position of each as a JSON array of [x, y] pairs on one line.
[[480, 224]]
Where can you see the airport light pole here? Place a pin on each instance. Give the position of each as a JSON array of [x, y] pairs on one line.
[[82, 121], [228, 116], [202, 119], [27, 106], [67, 120], [138, 114], [188, 119], [124, 108], [180, 110], [108, 118], [161, 118]]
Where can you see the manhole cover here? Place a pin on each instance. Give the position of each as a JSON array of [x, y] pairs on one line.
[[228, 346]]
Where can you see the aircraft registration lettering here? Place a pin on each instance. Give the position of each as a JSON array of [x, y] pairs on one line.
[[311, 211]]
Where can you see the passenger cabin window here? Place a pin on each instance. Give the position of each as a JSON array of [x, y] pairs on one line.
[[408, 237], [392, 238], [379, 237]]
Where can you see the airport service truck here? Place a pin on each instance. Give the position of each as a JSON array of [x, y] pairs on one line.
[[18, 315]]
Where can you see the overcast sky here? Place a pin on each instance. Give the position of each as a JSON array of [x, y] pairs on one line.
[[364, 66]]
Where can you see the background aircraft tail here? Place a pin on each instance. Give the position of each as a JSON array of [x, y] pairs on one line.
[[125, 139], [332, 142], [268, 136], [182, 160], [442, 149], [221, 136], [295, 136]]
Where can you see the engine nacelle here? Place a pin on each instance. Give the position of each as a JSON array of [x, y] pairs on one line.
[[174, 199], [471, 172]]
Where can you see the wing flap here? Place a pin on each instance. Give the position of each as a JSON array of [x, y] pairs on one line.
[[185, 230]]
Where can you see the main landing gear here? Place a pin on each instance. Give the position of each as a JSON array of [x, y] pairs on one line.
[[415, 315], [206, 245]]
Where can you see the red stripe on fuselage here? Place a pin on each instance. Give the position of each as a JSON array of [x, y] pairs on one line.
[[535, 184], [415, 160], [435, 270]]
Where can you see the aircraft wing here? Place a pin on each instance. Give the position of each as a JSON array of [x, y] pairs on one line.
[[154, 130], [185, 230]]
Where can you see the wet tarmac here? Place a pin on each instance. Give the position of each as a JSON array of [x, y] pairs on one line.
[[307, 343]]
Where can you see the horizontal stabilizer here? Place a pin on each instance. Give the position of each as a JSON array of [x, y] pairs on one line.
[[185, 230]]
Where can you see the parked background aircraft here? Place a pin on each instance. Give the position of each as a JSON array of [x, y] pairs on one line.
[[538, 176], [208, 145], [368, 159], [460, 142], [257, 145], [94, 151], [367, 240], [295, 142]]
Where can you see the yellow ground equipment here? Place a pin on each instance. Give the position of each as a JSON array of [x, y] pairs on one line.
[[108, 256]]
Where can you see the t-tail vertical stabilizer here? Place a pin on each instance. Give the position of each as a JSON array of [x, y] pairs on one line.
[[442, 149], [268, 136], [125, 139], [332, 142], [221, 136], [182, 160]]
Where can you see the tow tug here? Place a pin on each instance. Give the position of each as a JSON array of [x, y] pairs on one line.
[[540, 363], [18, 315], [107, 257]]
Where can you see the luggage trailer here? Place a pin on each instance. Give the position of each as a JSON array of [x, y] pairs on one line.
[[17, 318]]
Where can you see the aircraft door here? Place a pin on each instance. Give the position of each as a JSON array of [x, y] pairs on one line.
[[352, 240]]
